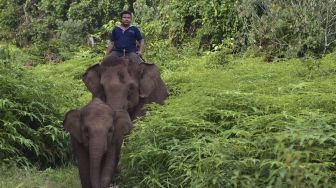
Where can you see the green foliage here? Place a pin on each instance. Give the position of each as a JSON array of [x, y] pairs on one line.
[[46, 52], [57, 9], [289, 29], [8, 19], [73, 32], [217, 58], [96, 12], [61, 178], [228, 122], [278, 29], [32, 106], [210, 22], [36, 32], [246, 124], [29, 121], [5, 55]]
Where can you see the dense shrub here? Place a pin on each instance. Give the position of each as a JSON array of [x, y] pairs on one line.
[[247, 124], [278, 29], [210, 22], [73, 33], [31, 112], [8, 19], [289, 28], [96, 12], [29, 121]]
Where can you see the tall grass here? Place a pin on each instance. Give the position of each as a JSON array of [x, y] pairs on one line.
[[229, 122], [50, 178], [33, 101], [241, 124]]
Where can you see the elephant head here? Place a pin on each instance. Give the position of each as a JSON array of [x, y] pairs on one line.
[[96, 135], [126, 85], [152, 88]]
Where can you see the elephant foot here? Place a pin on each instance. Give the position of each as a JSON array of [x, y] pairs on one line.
[[115, 178]]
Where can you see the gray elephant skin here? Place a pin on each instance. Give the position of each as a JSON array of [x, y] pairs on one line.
[[126, 85], [96, 138], [120, 88]]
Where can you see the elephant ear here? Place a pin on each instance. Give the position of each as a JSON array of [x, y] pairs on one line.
[[71, 124], [91, 79], [151, 85]]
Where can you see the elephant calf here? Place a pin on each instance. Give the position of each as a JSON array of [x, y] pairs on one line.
[[97, 134]]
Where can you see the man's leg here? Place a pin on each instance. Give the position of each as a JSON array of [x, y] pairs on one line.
[[134, 57], [116, 54]]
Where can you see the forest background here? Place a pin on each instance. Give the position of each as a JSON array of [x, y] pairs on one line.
[[252, 98]]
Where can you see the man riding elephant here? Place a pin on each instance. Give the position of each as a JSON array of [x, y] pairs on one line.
[[123, 39]]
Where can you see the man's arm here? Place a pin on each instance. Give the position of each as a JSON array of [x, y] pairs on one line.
[[109, 48], [141, 50]]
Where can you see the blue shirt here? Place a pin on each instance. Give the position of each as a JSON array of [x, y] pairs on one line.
[[125, 39]]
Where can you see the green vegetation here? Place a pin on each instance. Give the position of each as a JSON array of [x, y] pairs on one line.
[[237, 123], [32, 105], [49, 178], [245, 124], [252, 96], [275, 28]]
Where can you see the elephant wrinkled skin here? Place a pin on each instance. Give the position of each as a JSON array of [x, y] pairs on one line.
[[124, 84], [120, 88], [96, 137]]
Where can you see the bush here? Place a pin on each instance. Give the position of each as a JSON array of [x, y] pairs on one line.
[[289, 29], [8, 20], [73, 33], [96, 12], [180, 21], [249, 124], [32, 106], [29, 121]]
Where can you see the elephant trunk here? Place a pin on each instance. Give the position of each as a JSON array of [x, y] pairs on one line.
[[97, 150]]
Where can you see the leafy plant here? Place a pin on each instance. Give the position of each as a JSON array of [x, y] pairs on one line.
[[245, 124], [289, 29], [73, 32], [32, 106]]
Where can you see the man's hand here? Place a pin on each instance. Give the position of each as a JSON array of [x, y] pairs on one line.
[[140, 52], [109, 48]]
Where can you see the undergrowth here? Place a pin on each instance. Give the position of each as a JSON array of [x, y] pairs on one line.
[[49, 178], [228, 122], [245, 123], [33, 101]]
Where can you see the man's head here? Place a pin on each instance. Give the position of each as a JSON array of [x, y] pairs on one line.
[[126, 18]]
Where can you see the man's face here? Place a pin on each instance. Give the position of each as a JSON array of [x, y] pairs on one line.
[[126, 19]]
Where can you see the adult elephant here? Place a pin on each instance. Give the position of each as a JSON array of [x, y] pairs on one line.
[[126, 85], [97, 133]]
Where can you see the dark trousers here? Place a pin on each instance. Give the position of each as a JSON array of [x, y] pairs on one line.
[[131, 55]]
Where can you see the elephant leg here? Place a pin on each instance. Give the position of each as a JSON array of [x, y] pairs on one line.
[[123, 126], [82, 157], [112, 159]]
